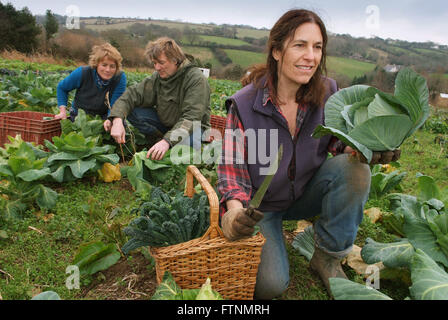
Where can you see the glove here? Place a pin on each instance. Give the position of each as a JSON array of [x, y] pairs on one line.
[[382, 157], [236, 224], [385, 157]]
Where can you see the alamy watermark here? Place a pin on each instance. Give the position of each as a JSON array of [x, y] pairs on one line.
[[261, 146], [373, 280], [72, 281], [73, 14], [373, 17]]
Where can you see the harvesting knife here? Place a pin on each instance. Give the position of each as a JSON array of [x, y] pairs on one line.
[[258, 197]]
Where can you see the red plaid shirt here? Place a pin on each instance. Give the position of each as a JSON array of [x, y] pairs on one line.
[[233, 178]]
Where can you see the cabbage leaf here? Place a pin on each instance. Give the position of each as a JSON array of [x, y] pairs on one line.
[[369, 120]]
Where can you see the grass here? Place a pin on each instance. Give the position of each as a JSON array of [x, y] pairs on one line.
[[15, 60], [349, 67], [36, 261], [424, 156], [252, 33], [245, 58]]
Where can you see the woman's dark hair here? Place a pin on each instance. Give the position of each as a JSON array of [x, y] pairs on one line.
[[284, 29]]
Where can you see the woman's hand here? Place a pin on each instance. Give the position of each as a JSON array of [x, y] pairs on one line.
[[158, 150], [236, 224], [384, 157], [117, 131], [107, 125], [62, 113]]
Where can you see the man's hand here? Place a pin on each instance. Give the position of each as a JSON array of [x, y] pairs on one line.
[[62, 113], [158, 150], [117, 131], [236, 224], [377, 157], [107, 125]]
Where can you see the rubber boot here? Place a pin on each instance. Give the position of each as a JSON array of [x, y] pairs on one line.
[[327, 267]]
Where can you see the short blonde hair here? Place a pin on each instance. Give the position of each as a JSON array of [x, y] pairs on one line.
[[99, 52], [167, 46]]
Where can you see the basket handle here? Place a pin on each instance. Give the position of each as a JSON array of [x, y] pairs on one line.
[[193, 172]]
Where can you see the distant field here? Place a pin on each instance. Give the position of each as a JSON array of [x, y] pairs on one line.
[[381, 53], [224, 41], [349, 67], [203, 54], [398, 50], [245, 58], [252, 33], [124, 23], [429, 52]]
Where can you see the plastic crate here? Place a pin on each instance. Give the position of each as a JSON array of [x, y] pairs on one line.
[[30, 125], [219, 123]]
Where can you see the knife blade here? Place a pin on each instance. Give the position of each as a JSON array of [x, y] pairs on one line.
[[258, 197]]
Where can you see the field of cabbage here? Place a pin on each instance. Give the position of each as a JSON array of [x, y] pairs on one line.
[[401, 247], [26, 86]]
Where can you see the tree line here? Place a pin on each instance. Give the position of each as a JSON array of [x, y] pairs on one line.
[[20, 31]]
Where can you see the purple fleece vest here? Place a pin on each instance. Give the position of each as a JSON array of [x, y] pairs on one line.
[[308, 153]]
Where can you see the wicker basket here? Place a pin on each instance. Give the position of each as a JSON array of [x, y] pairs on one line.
[[231, 265]]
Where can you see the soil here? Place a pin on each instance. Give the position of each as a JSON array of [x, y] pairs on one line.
[[128, 279], [289, 235]]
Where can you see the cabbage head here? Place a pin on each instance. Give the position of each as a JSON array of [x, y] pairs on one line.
[[369, 120]]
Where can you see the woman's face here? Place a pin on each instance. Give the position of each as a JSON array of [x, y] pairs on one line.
[[301, 56], [106, 68]]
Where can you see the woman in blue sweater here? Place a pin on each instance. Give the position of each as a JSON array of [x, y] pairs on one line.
[[95, 84]]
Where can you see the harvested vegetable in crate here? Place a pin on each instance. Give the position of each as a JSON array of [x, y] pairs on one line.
[[168, 219]]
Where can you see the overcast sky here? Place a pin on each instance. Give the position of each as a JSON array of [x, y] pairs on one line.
[[411, 20]]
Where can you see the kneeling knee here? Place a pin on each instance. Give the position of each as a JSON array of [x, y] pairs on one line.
[[268, 290]]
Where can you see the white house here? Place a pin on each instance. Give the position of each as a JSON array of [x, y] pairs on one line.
[[444, 95], [392, 68]]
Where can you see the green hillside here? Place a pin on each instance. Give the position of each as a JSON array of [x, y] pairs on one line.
[[224, 41], [245, 58], [349, 67], [345, 52], [117, 23], [203, 54], [251, 33]]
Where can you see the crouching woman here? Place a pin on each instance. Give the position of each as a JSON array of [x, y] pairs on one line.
[[286, 98]]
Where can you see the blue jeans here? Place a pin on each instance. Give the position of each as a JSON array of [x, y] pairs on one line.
[[147, 122], [337, 193]]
